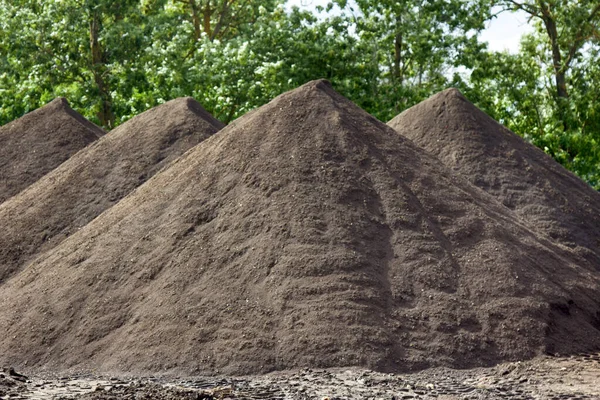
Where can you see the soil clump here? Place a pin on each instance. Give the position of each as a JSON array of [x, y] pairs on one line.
[[522, 177], [40, 141], [304, 234], [96, 178], [11, 383]]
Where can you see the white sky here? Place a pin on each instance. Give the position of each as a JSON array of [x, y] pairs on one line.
[[502, 33]]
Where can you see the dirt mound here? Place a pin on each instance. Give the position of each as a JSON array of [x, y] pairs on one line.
[[305, 234], [40, 141], [97, 177], [518, 174]]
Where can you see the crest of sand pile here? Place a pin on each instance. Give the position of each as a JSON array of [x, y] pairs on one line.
[[40, 141], [518, 174], [97, 177], [304, 234]]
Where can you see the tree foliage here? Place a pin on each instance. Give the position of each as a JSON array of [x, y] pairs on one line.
[[114, 59], [548, 92], [414, 46]]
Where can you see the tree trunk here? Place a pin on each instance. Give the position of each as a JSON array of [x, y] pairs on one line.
[[222, 16], [557, 60], [398, 51], [195, 19], [559, 71], [105, 114], [207, 14], [398, 57]]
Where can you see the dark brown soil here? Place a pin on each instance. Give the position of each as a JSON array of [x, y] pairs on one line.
[[305, 234], [69, 197], [521, 176], [40, 141]]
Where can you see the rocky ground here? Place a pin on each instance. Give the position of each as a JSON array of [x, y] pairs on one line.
[[576, 377]]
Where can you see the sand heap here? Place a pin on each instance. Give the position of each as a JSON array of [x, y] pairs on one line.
[[40, 141], [521, 176], [305, 234], [97, 177]]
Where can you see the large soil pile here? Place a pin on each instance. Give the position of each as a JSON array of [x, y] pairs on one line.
[[521, 176], [305, 234], [96, 178], [40, 141]]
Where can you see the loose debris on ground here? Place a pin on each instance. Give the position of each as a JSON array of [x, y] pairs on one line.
[[546, 378]]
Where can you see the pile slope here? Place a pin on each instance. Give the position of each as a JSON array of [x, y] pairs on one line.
[[305, 234], [97, 177], [518, 174], [40, 141]]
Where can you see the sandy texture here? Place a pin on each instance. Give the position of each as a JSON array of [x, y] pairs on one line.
[[97, 177], [304, 234], [40, 141], [521, 176]]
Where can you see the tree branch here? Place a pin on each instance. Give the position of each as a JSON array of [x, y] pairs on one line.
[[580, 38], [224, 11], [526, 7]]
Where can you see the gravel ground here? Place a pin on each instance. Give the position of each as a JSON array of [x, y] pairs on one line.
[[576, 377]]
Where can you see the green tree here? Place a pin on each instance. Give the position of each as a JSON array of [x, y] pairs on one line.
[[568, 28], [67, 48], [114, 59], [280, 50], [548, 91], [416, 45], [222, 19]]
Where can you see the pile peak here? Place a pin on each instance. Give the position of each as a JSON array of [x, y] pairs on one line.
[[59, 102], [304, 234], [450, 92], [187, 104], [40, 141], [96, 178], [318, 84]]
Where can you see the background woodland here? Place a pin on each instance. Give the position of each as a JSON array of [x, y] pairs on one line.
[[113, 59]]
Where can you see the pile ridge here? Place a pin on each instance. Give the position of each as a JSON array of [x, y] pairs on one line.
[[304, 234], [40, 141], [80, 189], [521, 176]]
